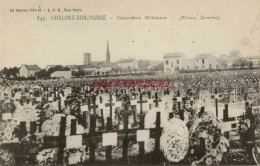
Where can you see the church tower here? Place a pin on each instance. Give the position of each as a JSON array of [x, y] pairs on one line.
[[108, 53]]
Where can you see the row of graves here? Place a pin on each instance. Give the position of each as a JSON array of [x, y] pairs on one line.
[[236, 89], [56, 124]]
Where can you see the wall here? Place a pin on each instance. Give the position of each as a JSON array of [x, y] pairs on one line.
[[207, 62], [125, 65], [64, 74], [174, 63], [24, 72]]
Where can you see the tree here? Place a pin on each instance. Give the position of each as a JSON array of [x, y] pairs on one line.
[[47, 74], [158, 67], [235, 53], [116, 69], [42, 74], [57, 68], [142, 64], [222, 65], [10, 72], [241, 62]]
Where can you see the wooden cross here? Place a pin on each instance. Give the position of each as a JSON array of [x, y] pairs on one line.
[[141, 101], [181, 111], [158, 130], [61, 143], [229, 90], [17, 147], [226, 118], [216, 96], [117, 95], [149, 94], [93, 106], [141, 144], [249, 113], [110, 104], [167, 91], [93, 137], [157, 100], [109, 148], [125, 141], [127, 101]]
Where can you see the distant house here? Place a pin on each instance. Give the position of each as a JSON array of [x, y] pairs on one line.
[[28, 70], [105, 68], [173, 61], [205, 61], [74, 67], [61, 74], [128, 63], [88, 69]]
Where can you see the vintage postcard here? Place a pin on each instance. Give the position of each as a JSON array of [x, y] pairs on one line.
[[127, 82]]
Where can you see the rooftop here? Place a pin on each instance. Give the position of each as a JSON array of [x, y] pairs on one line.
[[126, 60], [51, 66], [32, 67], [175, 54]]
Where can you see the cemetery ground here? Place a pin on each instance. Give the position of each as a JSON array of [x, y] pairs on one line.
[[200, 119]]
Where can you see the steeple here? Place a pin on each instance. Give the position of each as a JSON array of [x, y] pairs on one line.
[[108, 54]]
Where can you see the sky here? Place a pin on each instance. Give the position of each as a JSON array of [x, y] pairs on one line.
[[25, 40]]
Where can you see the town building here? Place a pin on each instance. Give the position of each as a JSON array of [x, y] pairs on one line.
[[92, 69], [128, 63], [28, 70], [85, 68], [173, 61], [205, 61], [87, 59], [73, 67], [89, 69], [105, 68], [62, 74]]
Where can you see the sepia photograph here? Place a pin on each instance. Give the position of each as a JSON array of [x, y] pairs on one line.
[[133, 82]]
